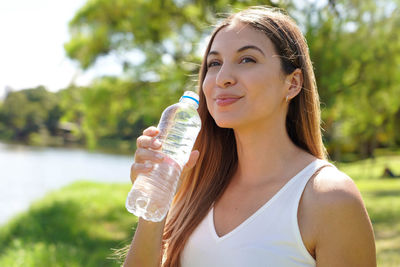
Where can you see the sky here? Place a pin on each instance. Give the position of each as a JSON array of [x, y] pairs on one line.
[[32, 35]]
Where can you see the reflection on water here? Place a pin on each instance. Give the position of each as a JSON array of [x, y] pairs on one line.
[[28, 173]]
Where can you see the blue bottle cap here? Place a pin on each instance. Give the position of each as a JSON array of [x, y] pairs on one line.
[[191, 95]]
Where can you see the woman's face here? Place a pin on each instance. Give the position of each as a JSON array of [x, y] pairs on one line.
[[244, 84]]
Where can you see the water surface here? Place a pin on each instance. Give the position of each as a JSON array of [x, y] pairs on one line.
[[28, 173]]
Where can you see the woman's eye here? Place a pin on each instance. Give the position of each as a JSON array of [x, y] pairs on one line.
[[213, 64], [247, 60]]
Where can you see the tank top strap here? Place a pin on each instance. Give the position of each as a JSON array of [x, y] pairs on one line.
[[319, 165], [300, 184]]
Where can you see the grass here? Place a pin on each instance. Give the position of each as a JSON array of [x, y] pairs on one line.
[[382, 199], [81, 224], [78, 225]]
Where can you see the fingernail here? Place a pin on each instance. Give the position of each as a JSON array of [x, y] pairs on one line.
[[156, 142], [148, 165], [159, 156]]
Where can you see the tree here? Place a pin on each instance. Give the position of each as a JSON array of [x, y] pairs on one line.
[[165, 33], [28, 111], [354, 45]]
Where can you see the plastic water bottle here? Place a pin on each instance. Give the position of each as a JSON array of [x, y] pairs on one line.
[[152, 193]]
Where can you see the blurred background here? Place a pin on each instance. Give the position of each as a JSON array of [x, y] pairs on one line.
[[81, 79]]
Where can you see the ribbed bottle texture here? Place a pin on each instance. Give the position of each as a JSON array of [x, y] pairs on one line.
[[152, 193]]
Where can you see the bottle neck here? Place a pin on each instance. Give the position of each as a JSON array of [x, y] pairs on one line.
[[189, 101]]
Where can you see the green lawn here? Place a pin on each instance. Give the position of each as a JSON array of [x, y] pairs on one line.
[[79, 225], [82, 224], [382, 198]]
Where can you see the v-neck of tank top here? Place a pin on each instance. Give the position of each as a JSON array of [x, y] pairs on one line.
[[257, 212]]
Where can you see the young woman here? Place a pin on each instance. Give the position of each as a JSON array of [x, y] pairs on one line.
[[261, 192]]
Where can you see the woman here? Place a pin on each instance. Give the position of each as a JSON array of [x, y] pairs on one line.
[[261, 192]]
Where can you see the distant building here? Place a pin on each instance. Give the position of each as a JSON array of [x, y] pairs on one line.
[[66, 130]]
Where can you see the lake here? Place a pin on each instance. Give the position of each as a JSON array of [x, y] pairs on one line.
[[28, 173]]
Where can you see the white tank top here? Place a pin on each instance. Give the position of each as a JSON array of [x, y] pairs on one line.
[[269, 237]]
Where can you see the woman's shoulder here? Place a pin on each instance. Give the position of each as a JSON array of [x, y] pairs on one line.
[[335, 203], [330, 186], [335, 221], [335, 208], [331, 192]]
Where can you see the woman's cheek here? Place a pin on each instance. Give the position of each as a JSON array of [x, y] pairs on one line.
[[209, 102], [207, 90]]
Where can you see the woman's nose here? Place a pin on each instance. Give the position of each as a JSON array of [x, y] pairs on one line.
[[225, 76]]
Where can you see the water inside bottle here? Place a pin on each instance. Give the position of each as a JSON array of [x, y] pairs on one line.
[[150, 198], [152, 193], [180, 132]]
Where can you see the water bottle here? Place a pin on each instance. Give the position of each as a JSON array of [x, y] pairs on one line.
[[152, 193]]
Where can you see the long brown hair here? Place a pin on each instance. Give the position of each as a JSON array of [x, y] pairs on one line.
[[206, 182]]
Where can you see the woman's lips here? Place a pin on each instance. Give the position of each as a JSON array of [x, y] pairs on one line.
[[226, 101]]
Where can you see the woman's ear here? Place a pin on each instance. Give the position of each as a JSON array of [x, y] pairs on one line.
[[295, 81]]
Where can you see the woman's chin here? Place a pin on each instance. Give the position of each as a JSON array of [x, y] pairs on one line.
[[225, 124]]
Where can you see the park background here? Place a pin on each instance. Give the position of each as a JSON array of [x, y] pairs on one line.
[[158, 45]]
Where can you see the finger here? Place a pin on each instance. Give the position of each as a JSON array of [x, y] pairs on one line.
[[143, 154], [190, 164], [192, 159], [137, 168], [144, 141], [151, 131]]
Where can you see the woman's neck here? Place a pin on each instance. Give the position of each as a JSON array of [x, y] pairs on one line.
[[265, 154]]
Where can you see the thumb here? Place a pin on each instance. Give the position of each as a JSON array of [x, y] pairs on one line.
[[190, 164], [192, 160]]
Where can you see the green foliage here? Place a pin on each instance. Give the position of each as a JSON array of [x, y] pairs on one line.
[[116, 110], [154, 27], [354, 45], [79, 225], [84, 223], [30, 111]]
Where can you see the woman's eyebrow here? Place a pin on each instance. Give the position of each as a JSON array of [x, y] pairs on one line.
[[250, 47], [213, 52]]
